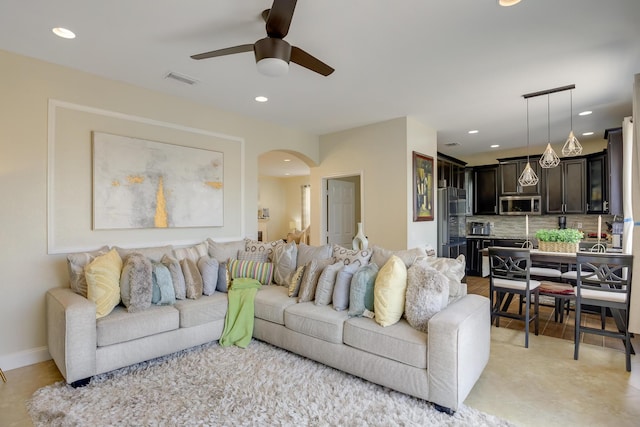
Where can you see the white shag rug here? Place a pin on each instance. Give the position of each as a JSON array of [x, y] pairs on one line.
[[261, 385]]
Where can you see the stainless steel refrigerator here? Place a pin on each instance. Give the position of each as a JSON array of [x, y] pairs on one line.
[[452, 224]]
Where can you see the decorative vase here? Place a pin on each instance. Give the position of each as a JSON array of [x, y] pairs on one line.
[[360, 242]]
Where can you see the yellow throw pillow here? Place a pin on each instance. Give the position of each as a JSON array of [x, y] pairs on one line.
[[389, 292], [103, 282]]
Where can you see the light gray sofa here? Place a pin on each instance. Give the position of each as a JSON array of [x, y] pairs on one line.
[[440, 366]]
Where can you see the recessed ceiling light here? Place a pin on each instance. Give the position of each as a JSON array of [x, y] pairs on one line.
[[287, 160], [494, 146], [64, 33], [506, 3], [474, 131], [587, 133], [585, 113], [262, 98]]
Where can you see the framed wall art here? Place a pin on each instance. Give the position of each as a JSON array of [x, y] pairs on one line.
[[422, 187]]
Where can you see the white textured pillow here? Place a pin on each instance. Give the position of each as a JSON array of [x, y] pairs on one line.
[[453, 269], [427, 294], [351, 256], [310, 278], [208, 268], [154, 253], [342, 288], [326, 282], [381, 255], [76, 264], [285, 257], [389, 292], [306, 253], [264, 247], [222, 251], [136, 283], [194, 253]]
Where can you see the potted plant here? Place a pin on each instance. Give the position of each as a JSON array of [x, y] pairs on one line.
[[566, 240]]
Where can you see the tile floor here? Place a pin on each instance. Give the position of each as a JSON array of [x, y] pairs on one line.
[[538, 386]]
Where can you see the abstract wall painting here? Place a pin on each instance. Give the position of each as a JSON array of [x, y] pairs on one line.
[[139, 183], [422, 187]]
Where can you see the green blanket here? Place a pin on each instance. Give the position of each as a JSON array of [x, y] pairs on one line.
[[238, 324]]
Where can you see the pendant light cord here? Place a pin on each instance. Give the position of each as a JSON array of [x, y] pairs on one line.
[[527, 130], [548, 121]]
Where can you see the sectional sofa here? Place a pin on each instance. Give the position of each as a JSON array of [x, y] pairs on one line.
[[440, 365]]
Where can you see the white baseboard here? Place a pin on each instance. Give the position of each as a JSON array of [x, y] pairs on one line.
[[24, 358]]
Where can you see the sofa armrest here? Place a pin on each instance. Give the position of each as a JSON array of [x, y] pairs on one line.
[[71, 333], [459, 343]]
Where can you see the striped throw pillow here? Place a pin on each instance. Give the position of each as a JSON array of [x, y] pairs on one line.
[[261, 271]]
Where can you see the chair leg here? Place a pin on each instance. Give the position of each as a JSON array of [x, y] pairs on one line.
[[627, 349], [2, 375], [536, 311], [526, 322], [577, 334], [603, 317]]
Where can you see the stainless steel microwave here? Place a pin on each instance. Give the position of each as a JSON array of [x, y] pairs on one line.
[[520, 205]]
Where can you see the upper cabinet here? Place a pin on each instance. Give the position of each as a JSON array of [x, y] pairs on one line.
[[614, 166], [597, 197], [510, 171], [565, 189], [485, 190], [450, 172]]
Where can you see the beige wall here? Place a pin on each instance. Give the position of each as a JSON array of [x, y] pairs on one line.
[[28, 270], [386, 190], [283, 198]]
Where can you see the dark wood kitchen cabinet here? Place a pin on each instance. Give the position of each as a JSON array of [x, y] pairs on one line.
[[510, 171], [450, 172], [614, 170], [597, 178], [565, 187], [485, 190]]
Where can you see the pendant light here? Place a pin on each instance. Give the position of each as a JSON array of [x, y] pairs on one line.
[[572, 146], [549, 158], [528, 177]]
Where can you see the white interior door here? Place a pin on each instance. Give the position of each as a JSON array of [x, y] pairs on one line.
[[341, 212]]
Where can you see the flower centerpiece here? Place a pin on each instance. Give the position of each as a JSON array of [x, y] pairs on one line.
[[566, 240]]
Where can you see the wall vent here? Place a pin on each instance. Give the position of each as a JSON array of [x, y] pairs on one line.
[[452, 144], [181, 78]]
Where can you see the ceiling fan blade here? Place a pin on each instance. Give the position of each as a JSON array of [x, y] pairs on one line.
[[227, 51], [279, 18], [304, 59]]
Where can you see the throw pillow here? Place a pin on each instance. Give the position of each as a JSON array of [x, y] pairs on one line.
[[294, 283], [103, 282], [261, 271], [343, 286], [361, 291], [389, 292], [177, 277], [154, 253], [208, 268], [222, 251], [326, 282], [310, 278], [223, 277], [285, 257], [136, 283], [427, 294], [264, 247], [409, 256], [194, 253], [453, 269], [192, 278], [306, 253], [76, 264], [163, 293], [350, 256], [252, 256]]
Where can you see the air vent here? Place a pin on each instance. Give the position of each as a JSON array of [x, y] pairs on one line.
[[451, 144], [181, 78]]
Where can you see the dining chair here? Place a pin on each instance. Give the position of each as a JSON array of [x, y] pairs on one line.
[[510, 276], [604, 280]]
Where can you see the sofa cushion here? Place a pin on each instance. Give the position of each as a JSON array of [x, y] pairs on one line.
[[224, 278], [427, 294], [154, 253], [398, 342], [120, 325], [192, 278], [163, 292], [342, 286], [194, 253], [223, 251], [295, 281], [409, 256], [326, 282], [453, 269], [318, 321], [256, 246], [306, 253], [177, 277], [285, 257], [208, 308], [136, 282], [208, 268], [253, 256], [389, 292], [103, 282], [270, 302], [361, 290], [76, 263], [310, 278], [261, 271]]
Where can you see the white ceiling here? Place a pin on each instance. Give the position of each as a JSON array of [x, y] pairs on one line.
[[455, 65]]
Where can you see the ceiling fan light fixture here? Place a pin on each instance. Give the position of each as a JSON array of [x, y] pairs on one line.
[[273, 67], [507, 3]]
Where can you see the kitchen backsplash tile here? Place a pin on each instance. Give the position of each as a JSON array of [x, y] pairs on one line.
[[514, 226]]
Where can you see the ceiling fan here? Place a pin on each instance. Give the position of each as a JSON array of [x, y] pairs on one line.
[[272, 53]]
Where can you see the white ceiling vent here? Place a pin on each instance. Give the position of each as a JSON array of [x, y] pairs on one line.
[[452, 144], [181, 78]]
